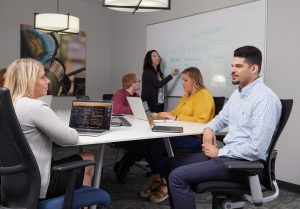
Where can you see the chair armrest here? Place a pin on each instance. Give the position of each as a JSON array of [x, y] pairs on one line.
[[252, 168], [73, 165], [12, 169], [73, 168]]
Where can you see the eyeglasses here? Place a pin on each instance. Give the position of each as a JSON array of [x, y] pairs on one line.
[[137, 81]]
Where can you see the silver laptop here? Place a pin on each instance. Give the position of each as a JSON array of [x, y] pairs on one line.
[[141, 111], [91, 118], [62, 102], [58, 102], [46, 99]]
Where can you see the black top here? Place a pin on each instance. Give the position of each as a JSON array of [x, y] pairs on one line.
[[150, 86]]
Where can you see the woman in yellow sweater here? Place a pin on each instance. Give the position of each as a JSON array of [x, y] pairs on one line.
[[197, 105]]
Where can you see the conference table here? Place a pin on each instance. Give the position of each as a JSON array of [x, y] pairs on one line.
[[140, 130]]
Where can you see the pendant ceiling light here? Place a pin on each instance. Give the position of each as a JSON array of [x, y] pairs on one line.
[[55, 22], [137, 5]]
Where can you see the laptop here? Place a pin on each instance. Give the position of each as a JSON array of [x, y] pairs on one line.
[[46, 99], [91, 118], [140, 111], [62, 102]]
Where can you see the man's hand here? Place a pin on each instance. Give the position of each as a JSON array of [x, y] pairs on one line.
[[209, 137], [210, 150]]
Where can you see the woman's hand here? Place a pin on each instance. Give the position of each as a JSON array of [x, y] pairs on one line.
[[166, 115], [174, 72]]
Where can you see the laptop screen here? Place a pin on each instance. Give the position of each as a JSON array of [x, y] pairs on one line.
[[90, 115]]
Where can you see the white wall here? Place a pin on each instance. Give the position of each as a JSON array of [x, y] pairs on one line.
[[283, 76], [283, 41], [94, 20], [117, 44]]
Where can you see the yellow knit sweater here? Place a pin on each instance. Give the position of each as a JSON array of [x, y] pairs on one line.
[[199, 107]]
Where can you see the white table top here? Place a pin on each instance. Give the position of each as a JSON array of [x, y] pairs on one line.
[[140, 130]]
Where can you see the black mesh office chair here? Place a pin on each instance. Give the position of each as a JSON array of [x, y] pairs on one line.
[[262, 186], [82, 97], [219, 103], [107, 96], [20, 176]]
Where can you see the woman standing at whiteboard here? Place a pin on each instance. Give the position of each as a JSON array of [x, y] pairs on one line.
[[153, 82]]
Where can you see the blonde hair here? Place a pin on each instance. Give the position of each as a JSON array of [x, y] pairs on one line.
[[20, 78], [196, 76], [128, 79]]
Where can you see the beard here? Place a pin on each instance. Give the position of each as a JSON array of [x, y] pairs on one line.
[[235, 82]]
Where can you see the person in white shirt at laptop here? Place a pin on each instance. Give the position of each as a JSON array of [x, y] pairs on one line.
[[26, 80], [134, 149], [196, 105]]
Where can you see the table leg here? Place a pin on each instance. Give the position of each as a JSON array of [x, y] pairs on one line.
[[168, 147], [98, 168], [98, 165]]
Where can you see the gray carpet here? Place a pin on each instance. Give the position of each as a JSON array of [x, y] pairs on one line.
[[125, 196]]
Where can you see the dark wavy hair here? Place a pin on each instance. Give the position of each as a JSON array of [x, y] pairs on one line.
[[148, 62], [251, 54]]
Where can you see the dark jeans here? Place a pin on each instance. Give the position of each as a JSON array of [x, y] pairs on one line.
[[155, 151], [182, 172], [134, 152]]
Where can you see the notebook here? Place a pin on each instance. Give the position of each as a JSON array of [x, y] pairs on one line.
[[140, 111], [91, 118]]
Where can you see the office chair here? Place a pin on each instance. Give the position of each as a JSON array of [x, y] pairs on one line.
[[82, 97], [107, 96], [219, 103], [262, 186], [20, 176]]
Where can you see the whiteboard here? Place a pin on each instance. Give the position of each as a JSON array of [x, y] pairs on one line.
[[207, 41]]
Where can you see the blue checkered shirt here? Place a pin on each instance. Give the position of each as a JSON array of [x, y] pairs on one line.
[[252, 115]]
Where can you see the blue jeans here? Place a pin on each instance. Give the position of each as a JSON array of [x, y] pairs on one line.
[[155, 151]]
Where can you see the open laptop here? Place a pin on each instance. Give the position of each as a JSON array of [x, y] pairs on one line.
[[62, 102], [46, 99], [140, 111], [91, 118]]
